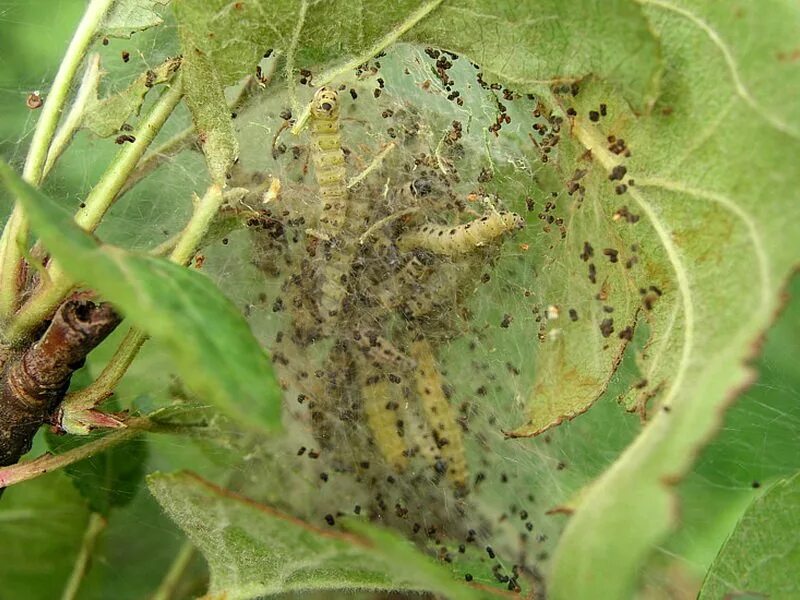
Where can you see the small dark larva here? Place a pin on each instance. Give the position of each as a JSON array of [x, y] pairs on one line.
[[461, 239]]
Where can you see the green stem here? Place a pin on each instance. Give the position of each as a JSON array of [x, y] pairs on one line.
[[96, 526], [86, 92], [197, 226], [105, 192], [16, 229], [97, 203], [184, 139], [166, 590], [102, 387]]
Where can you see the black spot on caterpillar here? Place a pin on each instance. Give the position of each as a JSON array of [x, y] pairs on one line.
[[461, 239]]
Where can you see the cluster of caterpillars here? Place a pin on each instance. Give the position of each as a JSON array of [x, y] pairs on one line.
[[377, 285]]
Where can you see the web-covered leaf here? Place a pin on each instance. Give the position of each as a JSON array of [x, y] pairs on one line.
[[206, 99], [551, 41], [211, 344], [127, 17], [254, 550], [227, 40], [712, 233], [106, 116], [760, 556]]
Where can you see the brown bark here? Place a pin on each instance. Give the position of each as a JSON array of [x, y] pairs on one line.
[[33, 383]]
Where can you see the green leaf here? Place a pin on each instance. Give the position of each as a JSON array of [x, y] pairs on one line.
[[206, 99], [761, 555], [254, 550], [127, 17], [520, 43], [717, 193], [107, 480], [212, 346], [105, 117], [42, 524]]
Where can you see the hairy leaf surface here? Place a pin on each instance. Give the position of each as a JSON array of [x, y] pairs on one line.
[[254, 550]]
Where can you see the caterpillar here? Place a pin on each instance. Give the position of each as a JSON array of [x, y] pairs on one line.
[[341, 220], [383, 410], [328, 157], [439, 415], [450, 240]]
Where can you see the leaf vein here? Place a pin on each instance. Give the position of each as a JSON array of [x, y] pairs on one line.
[[741, 89], [736, 210]]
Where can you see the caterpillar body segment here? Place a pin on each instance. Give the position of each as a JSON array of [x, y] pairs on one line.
[[383, 410], [440, 416], [335, 272], [451, 240], [328, 160]]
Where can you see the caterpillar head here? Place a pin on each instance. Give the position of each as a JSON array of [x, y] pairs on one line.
[[325, 105]]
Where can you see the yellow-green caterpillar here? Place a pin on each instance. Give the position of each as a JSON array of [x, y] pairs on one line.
[[439, 415], [450, 240], [329, 169], [383, 410], [328, 160]]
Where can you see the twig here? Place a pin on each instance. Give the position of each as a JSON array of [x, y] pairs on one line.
[[16, 229], [33, 384], [46, 463], [96, 526]]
